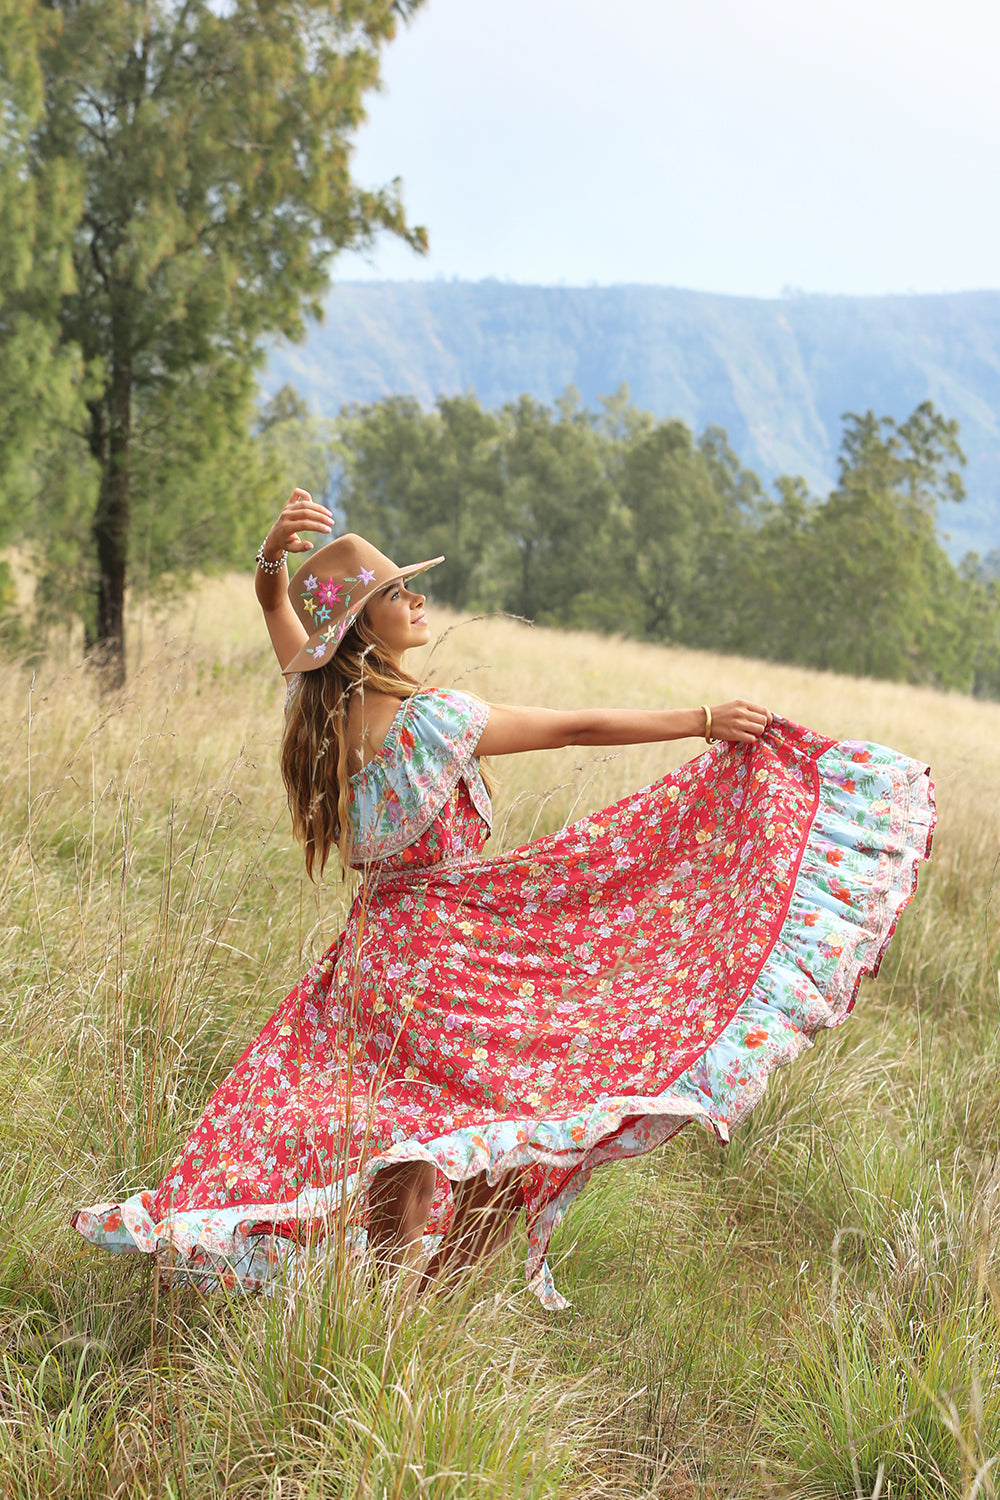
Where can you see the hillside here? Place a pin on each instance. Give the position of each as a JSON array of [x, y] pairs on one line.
[[777, 374], [811, 1311]]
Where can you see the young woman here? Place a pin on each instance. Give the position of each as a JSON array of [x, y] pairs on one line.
[[485, 1032]]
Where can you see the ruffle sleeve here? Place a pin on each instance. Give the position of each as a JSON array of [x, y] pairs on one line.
[[430, 747]]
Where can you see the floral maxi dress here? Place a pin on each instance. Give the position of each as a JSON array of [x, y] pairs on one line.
[[549, 1010]]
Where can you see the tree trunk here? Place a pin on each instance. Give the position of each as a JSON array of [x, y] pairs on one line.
[[111, 430]]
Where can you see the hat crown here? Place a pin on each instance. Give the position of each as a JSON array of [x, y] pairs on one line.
[[344, 559]]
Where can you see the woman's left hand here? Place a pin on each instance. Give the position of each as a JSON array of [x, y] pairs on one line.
[[740, 722]]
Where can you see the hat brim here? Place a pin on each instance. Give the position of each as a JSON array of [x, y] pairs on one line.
[[304, 659]]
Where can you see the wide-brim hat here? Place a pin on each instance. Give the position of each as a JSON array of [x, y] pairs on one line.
[[331, 589]]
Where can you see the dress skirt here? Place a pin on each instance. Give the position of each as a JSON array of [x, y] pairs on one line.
[[552, 1009]]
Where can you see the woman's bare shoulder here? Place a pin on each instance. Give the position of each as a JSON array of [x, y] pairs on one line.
[[369, 719]]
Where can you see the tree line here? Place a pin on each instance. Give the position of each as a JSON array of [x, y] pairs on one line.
[[613, 520]]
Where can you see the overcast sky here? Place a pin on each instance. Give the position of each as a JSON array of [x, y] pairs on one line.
[[730, 145]]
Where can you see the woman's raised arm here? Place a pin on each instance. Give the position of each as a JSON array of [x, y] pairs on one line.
[[511, 730], [301, 513]]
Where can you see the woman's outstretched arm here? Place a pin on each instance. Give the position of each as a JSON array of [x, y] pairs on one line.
[[511, 730]]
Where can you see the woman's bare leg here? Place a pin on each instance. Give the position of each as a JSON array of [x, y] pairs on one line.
[[399, 1201], [481, 1225]]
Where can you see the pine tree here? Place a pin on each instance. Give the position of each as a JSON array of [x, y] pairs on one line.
[[203, 155]]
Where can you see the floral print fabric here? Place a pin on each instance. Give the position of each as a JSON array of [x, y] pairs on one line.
[[564, 1005], [430, 747]]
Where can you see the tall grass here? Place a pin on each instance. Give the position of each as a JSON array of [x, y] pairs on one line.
[[812, 1312]]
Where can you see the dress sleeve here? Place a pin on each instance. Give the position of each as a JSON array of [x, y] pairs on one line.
[[441, 731], [430, 747]]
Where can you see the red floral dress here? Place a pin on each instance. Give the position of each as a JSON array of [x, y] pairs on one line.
[[548, 1010]]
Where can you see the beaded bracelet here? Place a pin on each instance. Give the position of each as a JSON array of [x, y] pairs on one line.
[[266, 566]]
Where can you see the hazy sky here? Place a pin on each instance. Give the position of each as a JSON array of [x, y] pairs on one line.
[[731, 145]]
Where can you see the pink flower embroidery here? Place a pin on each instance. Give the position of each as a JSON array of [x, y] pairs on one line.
[[329, 592], [367, 574]]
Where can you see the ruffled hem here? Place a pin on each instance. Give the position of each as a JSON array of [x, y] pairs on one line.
[[873, 825]]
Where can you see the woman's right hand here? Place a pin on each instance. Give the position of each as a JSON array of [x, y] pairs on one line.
[[301, 513], [740, 721]]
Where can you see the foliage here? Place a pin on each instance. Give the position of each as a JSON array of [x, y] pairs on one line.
[[556, 515], [46, 478], [418, 483], [616, 521], [298, 448], [199, 158]]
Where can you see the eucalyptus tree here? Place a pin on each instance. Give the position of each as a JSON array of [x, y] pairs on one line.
[[683, 501], [886, 599], [424, 482], [204, 155], [39, 380], [561, 547]]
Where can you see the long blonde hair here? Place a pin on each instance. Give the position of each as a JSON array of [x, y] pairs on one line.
[[315, 751]]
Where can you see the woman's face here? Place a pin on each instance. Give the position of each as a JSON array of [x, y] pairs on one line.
[[397, 617]]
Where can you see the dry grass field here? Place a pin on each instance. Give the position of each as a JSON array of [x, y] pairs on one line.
[[814, 1311]]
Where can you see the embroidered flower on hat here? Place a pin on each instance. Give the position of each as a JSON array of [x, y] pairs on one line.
[[329, 592], [310, 583], [309, 604], [367, 574], [318, 650], [322, 615]]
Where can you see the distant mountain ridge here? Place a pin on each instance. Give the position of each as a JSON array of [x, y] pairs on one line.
[[777, 374]]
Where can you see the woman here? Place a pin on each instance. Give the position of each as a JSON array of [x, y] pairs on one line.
[[485, 1032]]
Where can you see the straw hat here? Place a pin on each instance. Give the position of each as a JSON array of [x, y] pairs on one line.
[[331, 589]]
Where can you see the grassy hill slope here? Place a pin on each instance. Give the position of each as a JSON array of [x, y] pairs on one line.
[[791, 1316]]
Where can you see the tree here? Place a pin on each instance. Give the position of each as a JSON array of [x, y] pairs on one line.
[[464, 512], [755, 579], [859, 582], [422, 483], [39, 380], [299, 448], [563, 556], [204, 156], [683, 502], [884, 593]]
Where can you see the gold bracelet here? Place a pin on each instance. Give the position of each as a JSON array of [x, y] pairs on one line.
[[708, 723]]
